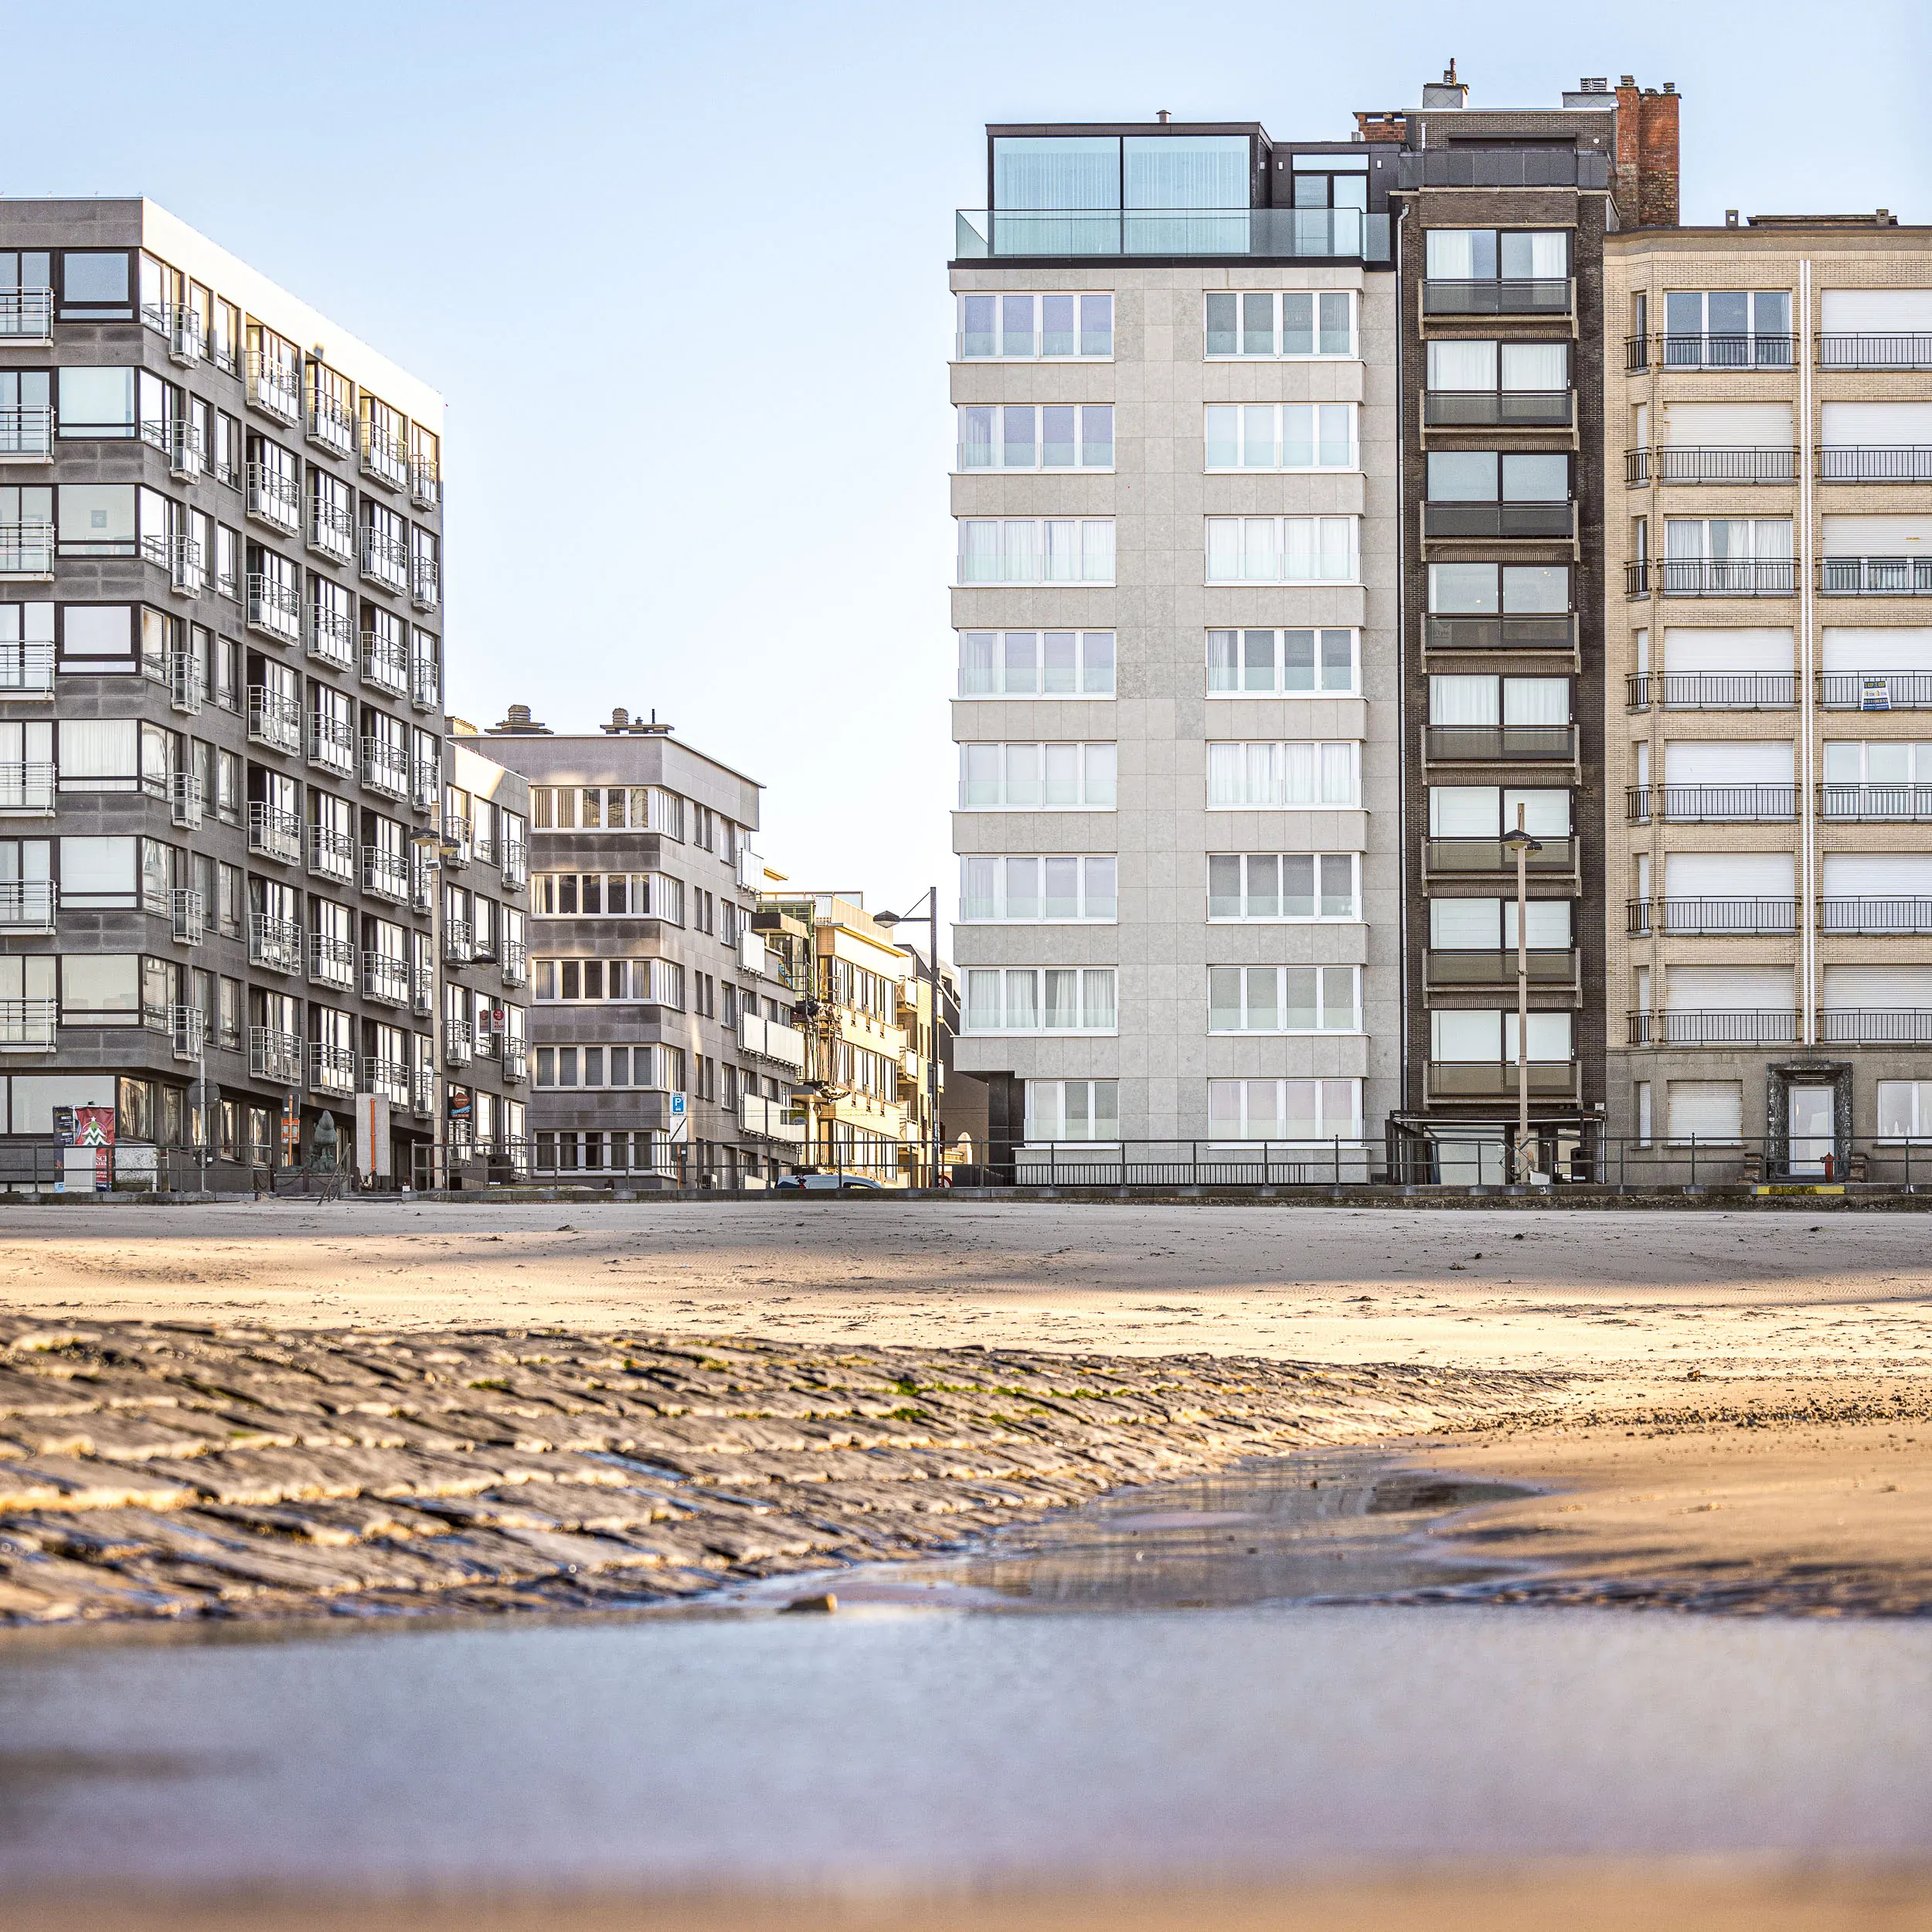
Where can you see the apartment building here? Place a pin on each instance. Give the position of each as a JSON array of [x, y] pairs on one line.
[[1175, 607], [221, 704], [662, 1050], [1501, 217], [1769, 721]]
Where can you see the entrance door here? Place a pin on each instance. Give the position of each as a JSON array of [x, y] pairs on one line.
[[1810, 1119]]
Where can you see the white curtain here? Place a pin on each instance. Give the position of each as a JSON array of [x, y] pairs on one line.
[[1451, 255], [1462, 701], [1096, 550], [1223, 550], [1337, 774], [1463, 365], [1535, 365], [1535, 701], [1463, 811]]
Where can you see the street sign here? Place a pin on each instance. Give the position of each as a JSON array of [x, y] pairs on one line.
[[680, 1119]]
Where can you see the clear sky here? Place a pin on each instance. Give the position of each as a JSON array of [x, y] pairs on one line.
[[680, 273]]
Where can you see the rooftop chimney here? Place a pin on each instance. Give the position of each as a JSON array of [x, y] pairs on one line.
[[1447, 93], [1646, 188], [1593, 91], [518, 723], [1163, 116]]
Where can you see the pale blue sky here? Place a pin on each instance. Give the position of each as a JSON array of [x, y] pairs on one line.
[[680, 272]]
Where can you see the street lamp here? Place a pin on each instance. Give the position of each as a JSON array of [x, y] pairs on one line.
[[930, 899], [1519, 843]]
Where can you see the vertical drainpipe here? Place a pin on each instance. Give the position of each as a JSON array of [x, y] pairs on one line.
[[1403, 854], [1806, 714]]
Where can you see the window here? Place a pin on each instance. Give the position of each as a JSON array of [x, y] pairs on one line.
[[1485, 811], [1054, 778], [1283, 999], [1490, 476], [607, 808], [1281, 550], [1489, 925], [1727, 553], [1040, 999], [96, 287], [1054, 436], [1301, 774], [1727, 328], [1036, 664], [1486, 700], [1292, 663], [650, 981], [1284, 1109], [98, 874], [1286, 886], [1073, 1110], [1002, 328], [1016, 891], [107, 519], [1281, 435], [1487, 1037], [1905, 1110], [98, 403], [228, 451], [274, 374], [1515, 368], [100, 986], [607, 895], [98, 754], [1478, 590], [1879, 767], [1288, 323], [1036, 550], [1487, 254]]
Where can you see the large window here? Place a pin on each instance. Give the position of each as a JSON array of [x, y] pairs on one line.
[[1023, 891], [1283, 999], [1286, 663], [1281, 550], [655, 1066], [1727, 328], [1478, 383], [1026, 435], [1488, 254], [1290, 323], [1036, 550], [1036, 664], [1487, 811], [1296, 775], [1048, 327], [591, 895], [1033, 777], [653, 982], [1284, 1109], [1040, 999], [98, 403], [1281, 435], [607, 808], [1073, 1110], [1041, 172], [1478, 590], [1270, 887], [1488, 1036], [1490, 476], [1904, 1110]]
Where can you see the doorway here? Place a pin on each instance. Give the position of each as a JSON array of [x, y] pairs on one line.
[[1809, 1122]]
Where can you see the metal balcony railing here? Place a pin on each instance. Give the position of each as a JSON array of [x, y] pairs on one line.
[[426, 583], [1542, 522], [1462, 855], [188, 916], [459, 1043], [423, 1092], [1487, 1080], [27, 787], [383, 457], [1875, 690], [1711, 690], [516, 1057], [274, 720], [1875, 577], [182, 324], [386, 767], [185, 690], [385, 977], [1677, 1026], [1269, 234], [181, 557], [332, 744], [1709, 804], [422, 990], [422, 882], [27, 1025], [274, 943], [184, 802], [1706, 918], [1840, 350], [1682, 463], [26, 433], [1875, 804], [26, 550], [516, 865], [385, 663], [1874, 1026], [1902, 463], [482, 844], [274, 388], [1508, 630], [329, 423], [274, 833], [332, 637], [28, 906], [274, 608], [426, 481], [331, 530], [426, 681], [331, 1070], [459, 943], [1498, 409], [1551, 969], [26, 670], [189, 1027], [426, 783], [515, 963], [455, 830], [1904, 918], [385, 873], [390, 1079], [1506, 744], [386, 559], [1515, 296], [26, 316], [332, 961], [331, 853], [1725, 350], [180, 442], [1502, 168], [1707, 578]]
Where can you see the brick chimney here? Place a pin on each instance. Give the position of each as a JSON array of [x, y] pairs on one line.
[[1645, 184]]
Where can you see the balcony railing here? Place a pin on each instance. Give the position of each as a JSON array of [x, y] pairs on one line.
[[387, 1079], [1709, 577], [426, 681], [1700, 918], [1268, 234], [26, 433], [332, 744], [1876, 918], [274, 497], [26, 316], [1464, 744], [181, 557], [1711, 690], [459, 1043], [1537, 522], [1462, 855], [1497, 1080], [274, 833], [28, 906], [1497, 409], [1875, 804], [386, 977], [331, 1070], [385, 663], [1892, 463], [1875, 690], [185, 801], [26, 670], [1726, 350], [516, 1057], [1502, 168], [1677, 1026], [386, 559], [331, 853], [1508, 630], [180, 442], [455, 830], [27, 787], [1709, 804], [188, 917], [274, 388], [188, 1025], [331, 530], [185, 690], [386, 767], [1874, 1026], [332, 637], [426, 583], [426, 482], [423, 1092], [1875, 577], [383, 457], [516, 865], [1838, 350], [1550, 968], [26, 550], [27, 1026], [274, 720], [422, 990], [275, 608], [426, 783], [459, 943], [1680, 463], [515, 963], [274, 943], [329, 423], [332, 961], [422, 882], [1540, 296]]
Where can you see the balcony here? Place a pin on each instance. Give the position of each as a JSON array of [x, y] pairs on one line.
[[1487, 1080], [422, 882], [332, 637], [422, 990], [1550, 970], [389, 1079], [459, 1043], [426, 481], [385, 874], [1502, 168], [331, 1070], [1458, 858], [1882, 804], [185, 800], [273, 498], [1516, 630], [1874, 918], [28, 906], [1711, 690], [328, 422], [331, 745], [180, 442], [1448, 409], [26, 670], [482, 846], [185, 690], [26, 434], [516, 865], [331, 530], [386, 767], [331, 853], [188, 1027], [1699, 918], [274, 609], [1709, 804], [275, 944], [385, 663], [1871, 1026], [764, 1119], [1676, 1026], [1541, 522], [1706, 577], [27, 788], [1552, 296], [27, 1026], [1726, 351], [187, 916], [423, 1092], [274, 720], [459, 943], [426, 583], [274, 388], [456, 838], [385, 560], [1895, 463], [1680, 463], [181, 557], [385, 977], [515, 963], [274, 834], [426, 783], [1863, 577], [516, 1058], [26, 551], [332, 961], [1500, 744], [426, 681], [26, 317], [772, 1040], [1841, 351], [1875, 690], [1267, 234], [384, 457]]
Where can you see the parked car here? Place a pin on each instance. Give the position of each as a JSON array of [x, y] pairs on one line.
[[828, 1184]]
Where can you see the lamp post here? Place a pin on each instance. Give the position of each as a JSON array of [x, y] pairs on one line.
[[930, 900], [1519, 842]]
